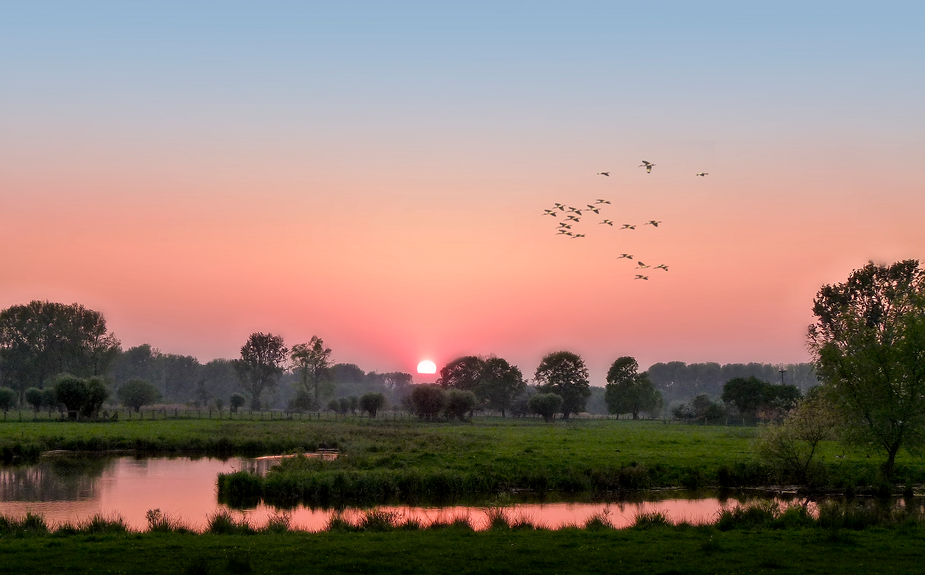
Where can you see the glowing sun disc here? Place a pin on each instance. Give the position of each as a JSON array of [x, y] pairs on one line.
[[427, 366]]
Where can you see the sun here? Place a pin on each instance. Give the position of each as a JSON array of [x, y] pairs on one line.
[[427, 366]]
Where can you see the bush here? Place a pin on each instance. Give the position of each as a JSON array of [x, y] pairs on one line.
[[35, 398], [302, 401], [80, 396], [459, 404], [371, 403], [7, 399], [545, 404], [136, 393], [236, 402], [428, 400]]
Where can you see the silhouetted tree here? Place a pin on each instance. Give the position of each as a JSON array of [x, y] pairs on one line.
[[459, 404], [545, 404], [500, 383], [7, 399], [262, 362], [313, 360], [235, 402], [35, 398], [564, 373], [463, 373], [628, 391], [80, 396], [371, 403], [42, 339], [428, 400], [868, 346], [136, 393]]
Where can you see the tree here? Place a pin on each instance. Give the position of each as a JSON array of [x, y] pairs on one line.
[[371, 403], [428, 400], [545, 404], [459, 404], [628, 391], [868, 347], [35, 398], [314, 361], [42, 339], [261, 364], [137, 393], [500, 383], [753, 397], [81, 397], [564, 373], [7, 399], [235, 402], [463, 373]]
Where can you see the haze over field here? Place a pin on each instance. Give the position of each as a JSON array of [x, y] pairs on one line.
[[376, 173]]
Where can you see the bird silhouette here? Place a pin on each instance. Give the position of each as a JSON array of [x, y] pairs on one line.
[[628, 227], [661, 267], [565, 232], [647, 165], [608, 222], [574, 210], [573, 218], [627, 256], [641, 277], [575, 236], [599, 201], [604, 174], [641, 266], [564, 225], [703, 174], [550, 213], [652, 223], [593, 209], [560, 206]]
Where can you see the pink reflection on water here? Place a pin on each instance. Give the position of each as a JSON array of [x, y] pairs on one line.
[[185, 490]]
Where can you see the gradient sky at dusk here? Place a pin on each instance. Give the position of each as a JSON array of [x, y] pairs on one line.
[[375, 173]]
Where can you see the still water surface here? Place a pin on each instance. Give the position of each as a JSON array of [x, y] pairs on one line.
[[75, 489]]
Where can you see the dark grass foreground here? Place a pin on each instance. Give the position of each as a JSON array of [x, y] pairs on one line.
[[653, 546]]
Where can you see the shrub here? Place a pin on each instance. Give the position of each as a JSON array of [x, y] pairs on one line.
[[302, 401], [7, 399], [459, 404], [80, 396], [236, 402], [136, 393], [35, 398], [428, 400], [371, 403], [545, 404]]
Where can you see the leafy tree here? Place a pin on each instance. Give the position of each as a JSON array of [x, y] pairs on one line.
[[345, 372], [545, 404], [80, 396], [463, 373], [564, 373], [261, 364], [700, 408], [235, 402], [50, 399], [35, 398], [7, 399], [628, 391], [302, 401], [790, 447], [314, 362], [42, 339], [459, 404], [868, 346], [137, 393], [371, 403], [139, 362], [747, 394], [500, 383], [428, 400]]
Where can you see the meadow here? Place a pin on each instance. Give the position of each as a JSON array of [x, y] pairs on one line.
[[386, 459]]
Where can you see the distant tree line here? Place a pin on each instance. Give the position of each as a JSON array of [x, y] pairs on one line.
[[679, 381]]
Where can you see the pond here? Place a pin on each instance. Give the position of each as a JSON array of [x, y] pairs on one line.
[[70, 488]]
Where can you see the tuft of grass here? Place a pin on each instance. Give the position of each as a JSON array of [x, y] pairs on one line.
[[378, 520], [651, 519], [755, 515], [99, 524], [159, 522], [223, 523], [598, 521], [497, 518], [279, 522]]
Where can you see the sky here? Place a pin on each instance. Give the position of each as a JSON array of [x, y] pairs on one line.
[[376, 173]]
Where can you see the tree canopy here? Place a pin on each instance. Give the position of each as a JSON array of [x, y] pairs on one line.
[[313, 360], [628, 391], [868, 346], [565, 374], [137, 393], [463, 373], [41, 339], [500, 383], [262, 361]]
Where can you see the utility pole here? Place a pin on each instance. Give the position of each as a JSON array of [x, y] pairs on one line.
[[782, 372]]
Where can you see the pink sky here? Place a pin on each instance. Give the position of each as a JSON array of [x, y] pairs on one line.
[[390, 200]]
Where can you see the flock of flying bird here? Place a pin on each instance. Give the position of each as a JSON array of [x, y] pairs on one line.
[[573, 215]]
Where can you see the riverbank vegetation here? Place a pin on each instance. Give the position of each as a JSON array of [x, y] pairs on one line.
[[760, 538]]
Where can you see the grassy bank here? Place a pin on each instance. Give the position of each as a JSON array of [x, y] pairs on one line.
[[753, 540]]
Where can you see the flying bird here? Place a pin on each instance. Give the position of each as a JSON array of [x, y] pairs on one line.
[[593, 209], [641, 266], [574, 210], [628, 227], [703, 174], [601, 201], [561, 207], [564, 225], [573, 218], [550, 213], [641, 277], [652, 223], [608, 222], [604, 174], [577, 236], [647, 165], [661, 267], [566, 232], [627, 256]]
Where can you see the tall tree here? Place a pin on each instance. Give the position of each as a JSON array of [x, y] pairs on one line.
[[262, 361], [42, 339], [628, 391], [500, 383], [564, 373], [868, 345], [314, 362], [463, 373]]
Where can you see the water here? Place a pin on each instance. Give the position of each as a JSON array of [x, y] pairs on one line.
[[72, 489]]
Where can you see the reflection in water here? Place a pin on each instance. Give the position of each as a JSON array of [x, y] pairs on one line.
[[75, 489]]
